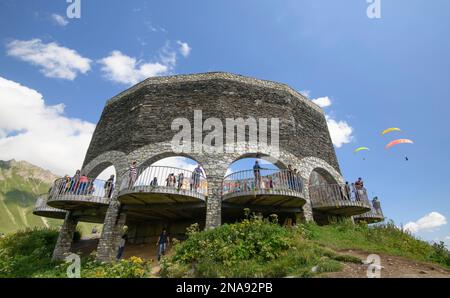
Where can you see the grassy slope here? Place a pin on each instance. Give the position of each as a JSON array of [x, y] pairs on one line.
[[17, 198], [386, 238], [253, 248], [236, 250]]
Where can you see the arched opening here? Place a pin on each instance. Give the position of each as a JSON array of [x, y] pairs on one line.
[[264, 185], [320, 176], [331, 200], [165, 193], [180, 176]]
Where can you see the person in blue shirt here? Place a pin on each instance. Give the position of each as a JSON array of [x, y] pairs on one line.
[[163, 242], [257, 173], [196, 177]]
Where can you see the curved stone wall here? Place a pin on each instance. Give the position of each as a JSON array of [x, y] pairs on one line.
[[141, 117]]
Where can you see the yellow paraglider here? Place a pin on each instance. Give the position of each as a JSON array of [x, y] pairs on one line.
[[390, 130], [399, 141], [360, 149]]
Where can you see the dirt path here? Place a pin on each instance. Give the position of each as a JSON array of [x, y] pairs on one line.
[[391, 266]]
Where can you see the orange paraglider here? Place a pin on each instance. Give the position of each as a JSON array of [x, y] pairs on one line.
[[399, 141]]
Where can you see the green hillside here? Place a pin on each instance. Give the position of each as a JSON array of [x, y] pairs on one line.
[[20, 184]]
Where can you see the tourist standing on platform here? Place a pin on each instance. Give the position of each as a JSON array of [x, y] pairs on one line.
[[109, 186], [196, 176], [154, 182], [83, 185], [257, 174], [133, 174], [290, 177], [180, 181], [348, 190], [359, 186], [74, 181]]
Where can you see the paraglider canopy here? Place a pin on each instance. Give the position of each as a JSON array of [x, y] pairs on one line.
[[390, 130], [399, 141], [360, 149]]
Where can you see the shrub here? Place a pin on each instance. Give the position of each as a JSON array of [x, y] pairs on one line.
[[25, 252], [255, 247]]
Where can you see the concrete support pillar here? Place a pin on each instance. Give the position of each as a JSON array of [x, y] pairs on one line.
[[65, 238], [214, 203], [111, 233]]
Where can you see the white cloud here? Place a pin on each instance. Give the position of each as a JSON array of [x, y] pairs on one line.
[[60, 20], [322, 101], [106, 173], [124, 69], [177, 162], [38, 133], [184, 49], [447, 237], [120, 68], [428, 222], [54, 61], [340, 131]]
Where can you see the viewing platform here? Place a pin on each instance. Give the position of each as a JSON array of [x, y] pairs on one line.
[[336, 199], [42, 209], [268, 187], [160, 184], [74, 194], [374, 215]]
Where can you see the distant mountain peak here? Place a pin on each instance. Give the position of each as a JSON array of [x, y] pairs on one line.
[[25, 170]]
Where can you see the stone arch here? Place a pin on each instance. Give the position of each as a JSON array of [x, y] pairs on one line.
[[276, 161], [279, 157], [309, 164], [105, 160], [146, 155]]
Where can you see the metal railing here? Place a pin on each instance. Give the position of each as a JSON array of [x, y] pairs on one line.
[[81, 188], [41, 204], [337, 194], [262, 180], [164, 179], [375, 211]]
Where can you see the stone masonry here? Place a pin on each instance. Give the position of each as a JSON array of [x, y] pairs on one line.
[[65, 238], [136, 126]]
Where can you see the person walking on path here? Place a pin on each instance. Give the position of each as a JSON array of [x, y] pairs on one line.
[[162, 243]]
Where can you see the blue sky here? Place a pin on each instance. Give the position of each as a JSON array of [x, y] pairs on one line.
[[377, 73]]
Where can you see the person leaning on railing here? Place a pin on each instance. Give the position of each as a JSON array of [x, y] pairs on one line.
[[109, 186], [196, 177], [290, 177], [154, 182], [359, 189], [348, 191], [74, 183], [257, 174], [180, 180], [83, 185], [132, 172]]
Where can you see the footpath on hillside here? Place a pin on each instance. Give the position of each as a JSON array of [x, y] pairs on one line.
[[391, 267]]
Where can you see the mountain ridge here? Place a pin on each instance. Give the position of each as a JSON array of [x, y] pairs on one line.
[[21, 183]]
